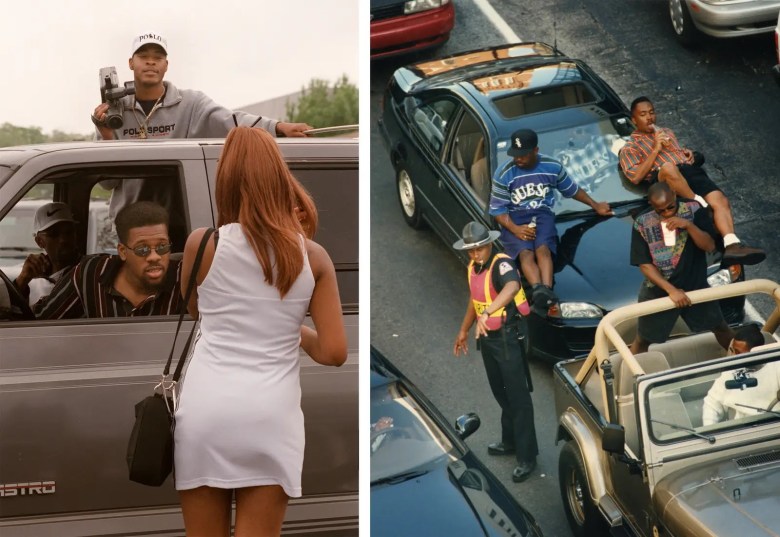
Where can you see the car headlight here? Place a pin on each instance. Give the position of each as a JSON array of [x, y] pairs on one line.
[[725, 276], [415, 6], [576, 310]]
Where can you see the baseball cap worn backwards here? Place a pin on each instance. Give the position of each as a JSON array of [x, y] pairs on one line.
[[475, 235], [50, 214], [149, 39], [523, 142]]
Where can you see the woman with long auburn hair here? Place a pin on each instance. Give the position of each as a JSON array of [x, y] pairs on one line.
[[239, 424]]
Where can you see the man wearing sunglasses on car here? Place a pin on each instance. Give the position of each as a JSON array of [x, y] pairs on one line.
[[54, 230], [140, 280]]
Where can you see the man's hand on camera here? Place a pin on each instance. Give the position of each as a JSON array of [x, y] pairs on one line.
[[292, 130], [99, 119]]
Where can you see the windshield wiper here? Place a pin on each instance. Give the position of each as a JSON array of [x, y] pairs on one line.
[[710, 439], [764, 410], [399, 478]]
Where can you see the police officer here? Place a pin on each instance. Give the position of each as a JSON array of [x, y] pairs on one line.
[[497, 300]]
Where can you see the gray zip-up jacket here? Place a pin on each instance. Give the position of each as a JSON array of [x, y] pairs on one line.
[[181, 114], [184, 114]]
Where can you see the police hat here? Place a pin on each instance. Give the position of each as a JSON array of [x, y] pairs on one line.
[[475, 235]]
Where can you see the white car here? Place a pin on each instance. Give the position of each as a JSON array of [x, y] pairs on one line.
[[721, 18]]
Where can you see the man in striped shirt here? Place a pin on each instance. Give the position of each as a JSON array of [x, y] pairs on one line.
[[654, 154], [522, 201], [140, 280]]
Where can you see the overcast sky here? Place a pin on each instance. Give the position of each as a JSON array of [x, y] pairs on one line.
[[237, 52]]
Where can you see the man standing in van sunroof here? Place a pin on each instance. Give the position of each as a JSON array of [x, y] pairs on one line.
[[160, 110]]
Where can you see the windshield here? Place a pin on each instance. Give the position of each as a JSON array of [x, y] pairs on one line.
[[403, 437], [706, 403], [589, 153]]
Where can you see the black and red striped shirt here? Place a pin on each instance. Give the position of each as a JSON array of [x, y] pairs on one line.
[[88, 291], [640, 146]]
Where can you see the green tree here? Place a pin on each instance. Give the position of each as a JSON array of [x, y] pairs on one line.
[[15, 135], [321, 105]]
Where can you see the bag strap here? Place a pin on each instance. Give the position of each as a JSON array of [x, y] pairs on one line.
[[187, 295]]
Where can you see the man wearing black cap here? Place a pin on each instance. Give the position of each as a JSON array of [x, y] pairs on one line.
[[496, 302], [522, 201]]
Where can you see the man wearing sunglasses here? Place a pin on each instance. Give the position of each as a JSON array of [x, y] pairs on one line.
[[140, 280], [54, 230], [669, 243]]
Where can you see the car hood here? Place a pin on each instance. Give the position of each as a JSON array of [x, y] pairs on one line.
[[721, 498], [592, 263], [452, 500]]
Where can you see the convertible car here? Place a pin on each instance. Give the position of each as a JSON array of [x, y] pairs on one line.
[[424, 479], [446, 124]]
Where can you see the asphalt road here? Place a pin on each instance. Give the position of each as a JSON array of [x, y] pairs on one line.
[[718, 97]]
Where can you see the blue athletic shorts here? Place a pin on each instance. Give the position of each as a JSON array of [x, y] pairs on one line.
[[546, 235]]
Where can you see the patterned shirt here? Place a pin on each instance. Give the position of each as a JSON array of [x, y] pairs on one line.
[[640, 146], [684, 265], [88, 291], [519, 189]]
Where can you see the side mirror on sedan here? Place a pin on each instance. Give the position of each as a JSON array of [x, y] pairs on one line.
[[614, 439], [467, 425]]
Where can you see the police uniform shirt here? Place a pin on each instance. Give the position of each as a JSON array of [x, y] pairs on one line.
[[504, 271]]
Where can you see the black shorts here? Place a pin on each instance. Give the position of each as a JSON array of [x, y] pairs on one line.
[[697, 178], [656, 328]]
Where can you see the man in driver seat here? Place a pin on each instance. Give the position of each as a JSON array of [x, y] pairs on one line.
[[723, 403]]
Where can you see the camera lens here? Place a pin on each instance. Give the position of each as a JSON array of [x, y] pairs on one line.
[[114, 121]]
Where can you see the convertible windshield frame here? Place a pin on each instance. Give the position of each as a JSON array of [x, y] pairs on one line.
[[680, 401]]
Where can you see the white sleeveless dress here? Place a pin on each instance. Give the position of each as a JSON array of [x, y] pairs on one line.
[[239, 421]]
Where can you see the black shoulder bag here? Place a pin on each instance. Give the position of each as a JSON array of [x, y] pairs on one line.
[[150, 449]]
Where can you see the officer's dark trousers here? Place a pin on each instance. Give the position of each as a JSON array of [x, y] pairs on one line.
[[506, 375]]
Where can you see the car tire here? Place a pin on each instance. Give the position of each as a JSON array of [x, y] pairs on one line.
[[406, 197], [682, 23], [583, 516]]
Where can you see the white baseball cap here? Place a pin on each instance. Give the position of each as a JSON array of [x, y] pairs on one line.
[[50, 214], [146, 39]]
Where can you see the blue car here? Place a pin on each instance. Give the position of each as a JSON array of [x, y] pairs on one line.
[[446, 125], [424, 479]]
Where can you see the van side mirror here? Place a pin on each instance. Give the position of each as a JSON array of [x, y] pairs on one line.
[[467, 425], [614, 439]]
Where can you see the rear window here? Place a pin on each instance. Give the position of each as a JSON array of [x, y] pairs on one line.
[[543, 100]]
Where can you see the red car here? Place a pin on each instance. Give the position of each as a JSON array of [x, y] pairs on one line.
[[398, 27]]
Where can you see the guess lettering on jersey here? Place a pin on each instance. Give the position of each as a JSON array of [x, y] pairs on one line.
[[27, 489], [536, 190]]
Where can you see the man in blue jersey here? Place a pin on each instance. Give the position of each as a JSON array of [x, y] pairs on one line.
[[522, 202]]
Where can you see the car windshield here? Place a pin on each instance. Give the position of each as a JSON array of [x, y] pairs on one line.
[[403, 436], [589, 153], [706, 403]]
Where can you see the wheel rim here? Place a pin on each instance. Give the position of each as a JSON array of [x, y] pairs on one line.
[[406, 193], [676, 13], [575, 498]]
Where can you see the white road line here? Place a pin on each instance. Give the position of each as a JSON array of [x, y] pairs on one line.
[[500, 24], [503, 28], [752, 314]]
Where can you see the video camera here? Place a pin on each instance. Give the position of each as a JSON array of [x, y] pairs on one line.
[[111, 93]]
